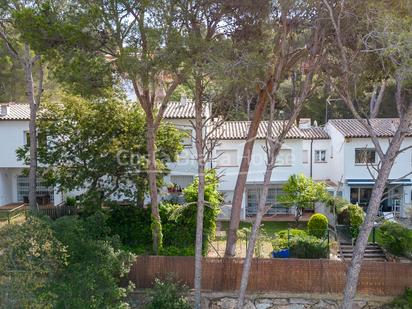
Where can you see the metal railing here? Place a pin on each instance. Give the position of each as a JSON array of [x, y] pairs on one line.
[[10, 214]]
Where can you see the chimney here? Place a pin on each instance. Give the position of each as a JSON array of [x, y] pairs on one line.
[[304, 123], [183, 100], [4, 109]]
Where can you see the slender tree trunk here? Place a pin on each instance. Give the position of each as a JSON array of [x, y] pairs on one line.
[[373, 208], [28, 73], [244, 169], [274, 145], [255, 229], [377, 100], [200, 194], [151, 152], [271, 86]]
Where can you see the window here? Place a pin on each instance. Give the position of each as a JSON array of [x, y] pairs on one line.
[[305, 155], [320, 156], [360, 196], [181, 180], [284, 157], [187, 138], [26, 138], [252, 201], [42, 189], [253, 196], [226, 158], [364, 156]]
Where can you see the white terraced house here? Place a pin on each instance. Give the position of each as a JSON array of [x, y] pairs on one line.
[[14, 183], [340, 153]]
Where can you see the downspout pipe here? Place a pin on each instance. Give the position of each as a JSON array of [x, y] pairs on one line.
[[311, 159]]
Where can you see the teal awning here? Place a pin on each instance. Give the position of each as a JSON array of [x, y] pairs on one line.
[[371, 182]]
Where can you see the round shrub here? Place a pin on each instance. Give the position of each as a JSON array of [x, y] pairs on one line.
[[318, 225]]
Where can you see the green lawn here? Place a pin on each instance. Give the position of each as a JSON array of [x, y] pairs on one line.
[[265, 247], [269, 228]]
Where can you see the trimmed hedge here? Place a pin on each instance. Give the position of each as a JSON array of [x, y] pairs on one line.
[[300, 244], [318, 225], [308, 247]]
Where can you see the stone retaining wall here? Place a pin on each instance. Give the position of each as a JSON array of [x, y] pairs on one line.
[[272, 301]]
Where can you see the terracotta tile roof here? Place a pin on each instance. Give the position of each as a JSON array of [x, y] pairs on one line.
[[174, 110], [180, 111], [383, 127], [17, 112], [315, 133], [239, 130]]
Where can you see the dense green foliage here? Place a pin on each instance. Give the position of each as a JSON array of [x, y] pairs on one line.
[[356, 217], [401, 302], [100, 146], [301, 244], [94, 266], [68, 263], [318, 225], [308, 247], [352, 216], [213, 199], [132, 223], [167, 294], [335, 204], [31, 258], [303, 192], [396, 238], [11, 78], [282, 238]]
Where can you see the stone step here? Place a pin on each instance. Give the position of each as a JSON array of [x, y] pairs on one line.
[[373, 252], [367, 250]]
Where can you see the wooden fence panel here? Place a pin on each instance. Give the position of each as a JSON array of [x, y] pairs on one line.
[[268, 275]]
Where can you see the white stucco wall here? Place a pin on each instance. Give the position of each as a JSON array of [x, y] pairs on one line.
[[402, 165], [12, 137], [6, 186], [186, 164], [320, 170], [258, 163], [337, 160]]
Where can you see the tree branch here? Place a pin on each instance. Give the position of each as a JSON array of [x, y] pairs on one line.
[[13, 52], [165, 100]]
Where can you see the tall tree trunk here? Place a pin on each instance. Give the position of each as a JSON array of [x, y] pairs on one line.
[[200, 194], [28, 73], [271, 86], [244, 170], [151, 152], [373, 208], [274, 145], [258, 220]]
